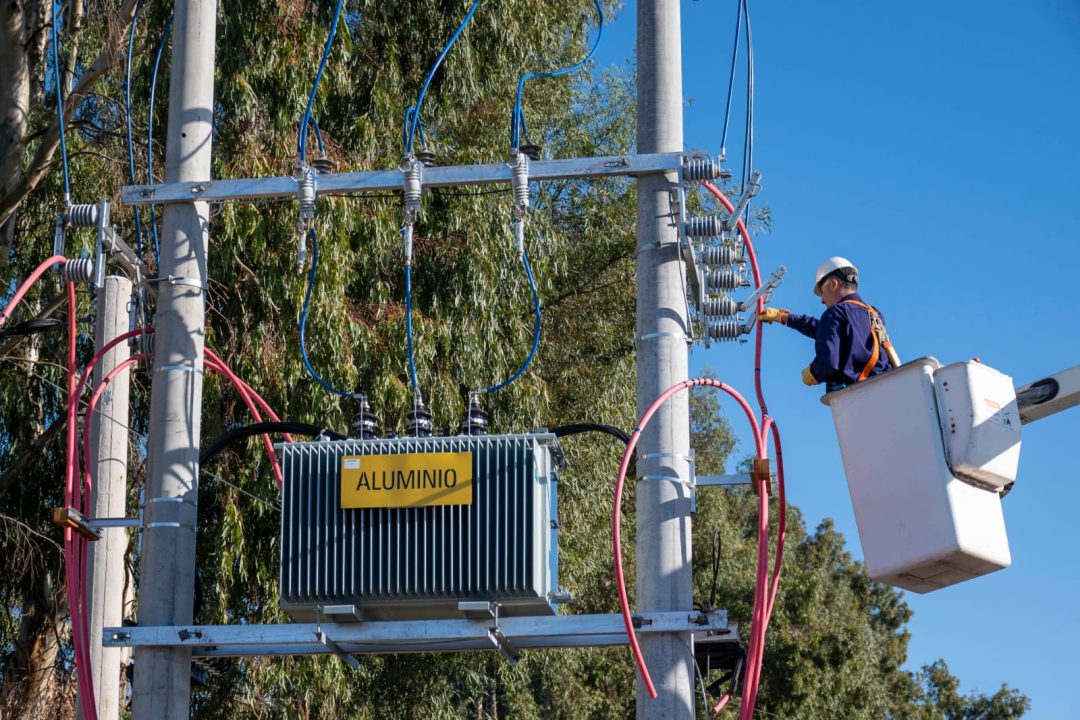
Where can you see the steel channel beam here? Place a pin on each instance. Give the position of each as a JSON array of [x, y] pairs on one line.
[[410, 636], [381, 180]]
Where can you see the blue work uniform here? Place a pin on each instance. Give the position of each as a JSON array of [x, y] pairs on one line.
[[844, 343]]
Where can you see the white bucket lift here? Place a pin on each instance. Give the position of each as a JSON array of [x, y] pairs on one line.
[[927, 450]]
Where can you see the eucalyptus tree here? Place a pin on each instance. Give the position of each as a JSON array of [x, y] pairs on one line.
[[472, 312]]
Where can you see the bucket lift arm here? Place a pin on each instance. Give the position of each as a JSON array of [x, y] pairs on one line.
[[1049, 396]]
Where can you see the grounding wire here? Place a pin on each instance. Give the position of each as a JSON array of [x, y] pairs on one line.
[[150, 133], [731, 76], [130, 131], [517, 117], [536, 330], [301, 140], [303, 320], [60, 105], [414, 120]]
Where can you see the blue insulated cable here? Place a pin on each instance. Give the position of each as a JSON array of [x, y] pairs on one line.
[[303, 320], [748, 142], [60, 106], [130, 131], [536, 331], [301, 140], [517, 119], [318, 135], [415, 120], [731, 77], [419, 127], [150, 133]]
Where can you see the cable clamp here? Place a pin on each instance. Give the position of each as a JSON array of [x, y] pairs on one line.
[[177, 280], [761, 476]]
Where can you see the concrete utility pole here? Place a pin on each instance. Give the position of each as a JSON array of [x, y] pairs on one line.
[[109, 444], [167, 569], [663, 499]]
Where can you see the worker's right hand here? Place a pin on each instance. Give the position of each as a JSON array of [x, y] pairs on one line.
[[771, 315]]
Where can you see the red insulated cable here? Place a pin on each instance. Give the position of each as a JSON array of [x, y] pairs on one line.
[[88, 477], [256, 396], [88, 481], [762, 614], [620, 579], [781, 530], [241, 388], [73, 544], [27, 284], [724, 700], [753, 673], [757, 627]]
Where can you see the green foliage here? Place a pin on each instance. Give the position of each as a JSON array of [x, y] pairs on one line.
[[837, 641]]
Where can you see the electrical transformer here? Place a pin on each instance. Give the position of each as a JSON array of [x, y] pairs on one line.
[[408, 528]]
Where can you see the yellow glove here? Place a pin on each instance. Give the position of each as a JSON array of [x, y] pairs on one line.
[[808, 377], [771, 315]]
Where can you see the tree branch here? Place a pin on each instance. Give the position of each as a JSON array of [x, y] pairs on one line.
[[15, 470], [42, 160]]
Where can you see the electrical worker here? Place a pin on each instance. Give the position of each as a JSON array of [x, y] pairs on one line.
[[850, 338]]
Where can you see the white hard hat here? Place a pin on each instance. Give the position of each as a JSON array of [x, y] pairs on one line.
[[830, 265]]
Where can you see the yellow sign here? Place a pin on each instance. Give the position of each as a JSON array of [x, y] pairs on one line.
[[406, 480]]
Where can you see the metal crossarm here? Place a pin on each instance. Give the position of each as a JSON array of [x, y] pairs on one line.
[[284, 188], [370, 638]]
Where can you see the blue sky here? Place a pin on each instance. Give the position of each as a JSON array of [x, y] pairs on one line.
[[936, 144]]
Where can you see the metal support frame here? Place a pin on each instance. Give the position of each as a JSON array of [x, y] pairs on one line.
[[732, 480], [413, 636], [284, 188]]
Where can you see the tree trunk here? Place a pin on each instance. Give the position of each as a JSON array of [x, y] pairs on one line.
[[31, 688], [15, 22]]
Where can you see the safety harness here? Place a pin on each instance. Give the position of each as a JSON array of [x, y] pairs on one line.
[[878, 333]]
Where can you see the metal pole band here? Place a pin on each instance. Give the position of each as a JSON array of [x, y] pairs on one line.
[[658, 335], [676, 456], [180, 368], [164, 524]]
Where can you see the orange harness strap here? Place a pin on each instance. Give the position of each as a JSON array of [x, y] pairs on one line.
[[875, 324]]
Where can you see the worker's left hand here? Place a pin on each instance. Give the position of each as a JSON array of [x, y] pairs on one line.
[[808, 377]]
